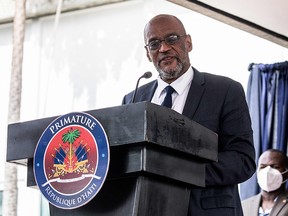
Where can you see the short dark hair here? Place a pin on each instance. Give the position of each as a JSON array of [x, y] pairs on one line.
[[283, 156]]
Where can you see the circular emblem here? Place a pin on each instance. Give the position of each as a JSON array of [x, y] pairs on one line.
[[71, 160]]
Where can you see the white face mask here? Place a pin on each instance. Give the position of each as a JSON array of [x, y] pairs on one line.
[[270, 179]]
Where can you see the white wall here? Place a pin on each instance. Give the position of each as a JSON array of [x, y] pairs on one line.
[[96, 55]]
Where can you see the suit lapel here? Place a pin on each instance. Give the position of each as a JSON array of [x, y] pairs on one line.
[[195, 94], [281, 202], [254, 205], [147, 92]]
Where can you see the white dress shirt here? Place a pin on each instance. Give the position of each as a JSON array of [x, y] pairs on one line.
[[181, 86]]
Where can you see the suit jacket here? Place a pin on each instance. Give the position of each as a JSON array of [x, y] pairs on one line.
[[252, 204], [219, 104]]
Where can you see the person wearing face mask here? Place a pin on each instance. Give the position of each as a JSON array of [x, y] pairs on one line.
[[272, 175], [216, 102]]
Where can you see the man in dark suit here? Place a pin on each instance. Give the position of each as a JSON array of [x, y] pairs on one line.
[[272, 174], [216, 102]]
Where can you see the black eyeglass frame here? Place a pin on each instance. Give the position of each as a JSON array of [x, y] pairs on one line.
[[166, 40]]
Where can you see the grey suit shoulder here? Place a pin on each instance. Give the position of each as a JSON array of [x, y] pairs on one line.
[[251, 205]]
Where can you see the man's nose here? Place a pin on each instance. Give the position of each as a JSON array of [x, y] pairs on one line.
[[164, 46]]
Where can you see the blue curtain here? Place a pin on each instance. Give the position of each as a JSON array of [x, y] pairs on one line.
[[267, 98]]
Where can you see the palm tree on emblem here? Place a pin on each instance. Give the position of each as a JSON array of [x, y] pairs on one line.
[[70, 137], [72, 159]]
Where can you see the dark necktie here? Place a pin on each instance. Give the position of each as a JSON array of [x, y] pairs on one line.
[[168, 98]]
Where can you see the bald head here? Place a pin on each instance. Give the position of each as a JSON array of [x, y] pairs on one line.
[[164, 21]]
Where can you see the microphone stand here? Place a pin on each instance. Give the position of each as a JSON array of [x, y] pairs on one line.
[[146, 75]]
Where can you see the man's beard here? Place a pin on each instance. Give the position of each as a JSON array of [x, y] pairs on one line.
[[171, 73]]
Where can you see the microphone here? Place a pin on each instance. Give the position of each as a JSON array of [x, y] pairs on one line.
[[146, 75]]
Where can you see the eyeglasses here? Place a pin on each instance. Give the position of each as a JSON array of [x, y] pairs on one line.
[[169, 40]]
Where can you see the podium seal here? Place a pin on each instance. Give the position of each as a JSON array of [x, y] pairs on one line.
[[71, 160]]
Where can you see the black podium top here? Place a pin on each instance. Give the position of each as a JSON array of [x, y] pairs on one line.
[[127, 124], [143, 138]]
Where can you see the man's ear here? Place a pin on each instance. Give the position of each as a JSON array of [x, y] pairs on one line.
[[148, 55], [189, 45]]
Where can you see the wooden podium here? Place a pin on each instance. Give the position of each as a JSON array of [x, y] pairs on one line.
[[156, 156]]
